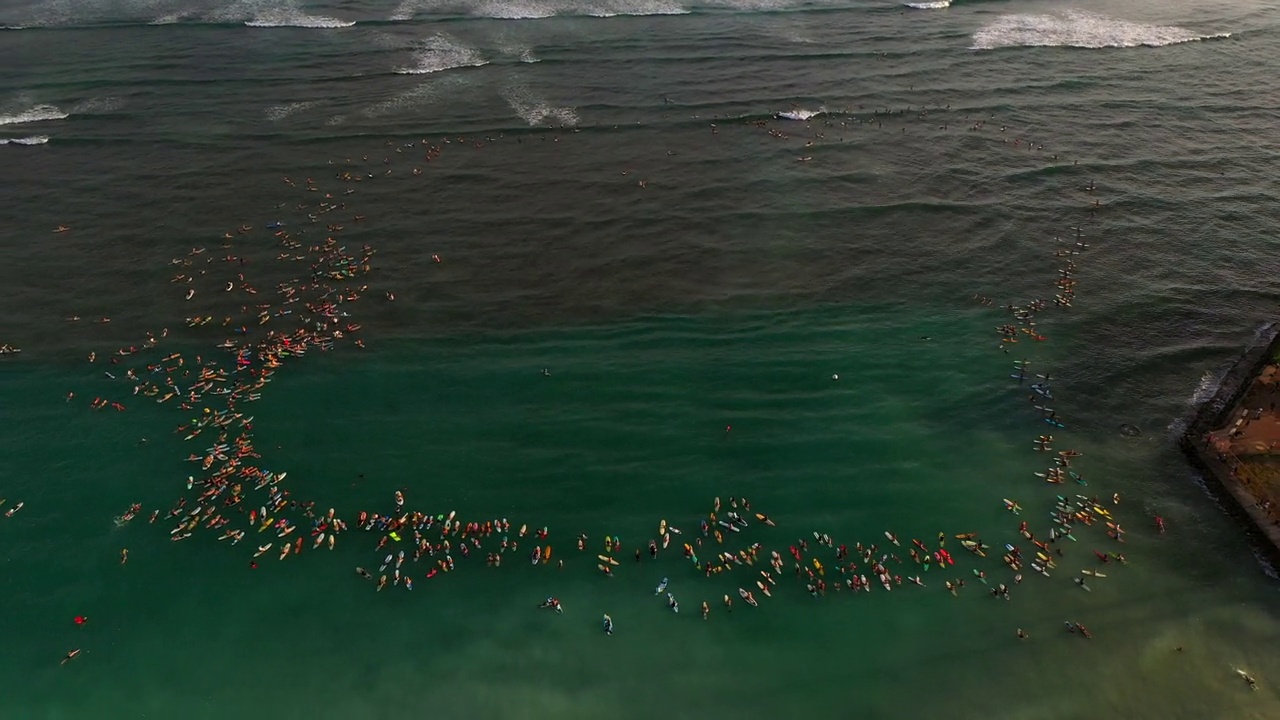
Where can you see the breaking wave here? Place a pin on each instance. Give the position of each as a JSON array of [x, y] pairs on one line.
[[32, 140], [441, 52], [39, 113], [800, 114], [1074, 28]]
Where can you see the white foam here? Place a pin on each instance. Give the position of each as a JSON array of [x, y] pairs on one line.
[[937, 5], [1074, 28], [276, 113], [535, 110], [298, 20], [501, 10], [170, 19], [538, 9], [631, 7], [514, 48], [97, 106], [800, 114], [32, 140], [441, 52], [407, 9], [423, 94], [39, 113], [1209, 384]]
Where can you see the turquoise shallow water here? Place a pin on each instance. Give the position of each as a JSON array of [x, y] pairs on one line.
[[628, 428], [726, 292]]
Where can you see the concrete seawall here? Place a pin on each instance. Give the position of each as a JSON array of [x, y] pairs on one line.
[[1216, 468]]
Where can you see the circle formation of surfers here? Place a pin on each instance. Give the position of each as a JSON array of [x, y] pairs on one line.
[[310, 313]]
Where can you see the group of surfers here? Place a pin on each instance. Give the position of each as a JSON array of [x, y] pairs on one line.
[[310, 312]]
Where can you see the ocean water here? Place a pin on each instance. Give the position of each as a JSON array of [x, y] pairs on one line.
[[725, 230]]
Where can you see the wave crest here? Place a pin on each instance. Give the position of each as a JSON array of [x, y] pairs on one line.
[[38, 113], [441, 52], [1075, 28], [298, 20], [539, 9], [800, 114], [32, 140]]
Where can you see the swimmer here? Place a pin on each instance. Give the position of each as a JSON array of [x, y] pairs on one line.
[[71, 656], [124, 556]]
